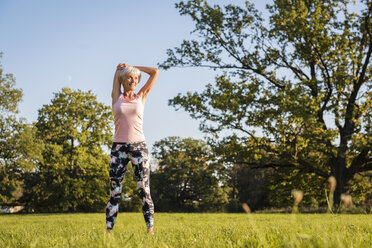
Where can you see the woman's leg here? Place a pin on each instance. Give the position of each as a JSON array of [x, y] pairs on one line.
[[118, 166], [141, 165]]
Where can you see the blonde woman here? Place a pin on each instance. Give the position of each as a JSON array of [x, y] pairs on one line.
[[129, 141]]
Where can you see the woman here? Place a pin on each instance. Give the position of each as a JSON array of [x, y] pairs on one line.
[[129, 141]]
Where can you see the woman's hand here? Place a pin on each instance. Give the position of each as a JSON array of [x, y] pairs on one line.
[[122, 66]]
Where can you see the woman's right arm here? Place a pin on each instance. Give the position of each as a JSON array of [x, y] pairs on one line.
[[116, 87]]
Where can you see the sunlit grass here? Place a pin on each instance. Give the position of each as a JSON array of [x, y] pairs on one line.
[[187, 230]]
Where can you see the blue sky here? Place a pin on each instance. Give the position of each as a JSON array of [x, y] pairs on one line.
[[48, 45]]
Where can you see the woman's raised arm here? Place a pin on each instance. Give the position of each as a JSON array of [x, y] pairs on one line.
[[116, 87], [153, 72]]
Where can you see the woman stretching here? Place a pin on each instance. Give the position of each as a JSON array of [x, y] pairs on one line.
[[129, 141]]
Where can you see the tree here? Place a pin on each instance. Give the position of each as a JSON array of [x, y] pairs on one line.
[[73, 176], [19, 151], [186, 177], [303, 79]]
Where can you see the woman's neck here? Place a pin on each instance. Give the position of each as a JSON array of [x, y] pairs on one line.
[[129, 94]]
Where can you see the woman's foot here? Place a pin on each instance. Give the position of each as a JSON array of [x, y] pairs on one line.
[[108, 232], [150, 230]]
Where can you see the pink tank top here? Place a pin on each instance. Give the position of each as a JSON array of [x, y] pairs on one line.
[[128, 118]]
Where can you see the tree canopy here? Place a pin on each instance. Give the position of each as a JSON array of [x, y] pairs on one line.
[[186, 177], [295, 90], [75, 129], [19, 152]]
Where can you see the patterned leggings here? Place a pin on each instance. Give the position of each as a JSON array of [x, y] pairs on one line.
[[121, 154]]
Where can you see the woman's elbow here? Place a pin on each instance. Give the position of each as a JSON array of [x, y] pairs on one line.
[[156, 71]]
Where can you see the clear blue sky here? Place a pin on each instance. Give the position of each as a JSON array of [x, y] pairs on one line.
[[48, 45]]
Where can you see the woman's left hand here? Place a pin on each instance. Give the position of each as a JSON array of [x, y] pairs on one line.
[[120, 67]]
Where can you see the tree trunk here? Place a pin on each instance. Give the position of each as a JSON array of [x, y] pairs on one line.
[[338, 171]]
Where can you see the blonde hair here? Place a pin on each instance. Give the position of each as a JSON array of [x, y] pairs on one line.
[[128, 71]]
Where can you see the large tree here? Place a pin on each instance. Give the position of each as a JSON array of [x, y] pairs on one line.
[[302, 78], [72, 176]]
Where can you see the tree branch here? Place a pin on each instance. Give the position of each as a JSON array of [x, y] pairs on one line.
[[348, 127], [366, 19], [244, 65], [328, 84], [297, 71], [306, 167], [310, 168], [358, 161]]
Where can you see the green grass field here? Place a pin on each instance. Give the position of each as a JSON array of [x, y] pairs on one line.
[[187, 230]]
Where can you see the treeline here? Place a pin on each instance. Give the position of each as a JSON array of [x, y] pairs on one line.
[[60, 164], [191, 176]]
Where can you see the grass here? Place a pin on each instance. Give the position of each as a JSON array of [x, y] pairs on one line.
[[187, 230]]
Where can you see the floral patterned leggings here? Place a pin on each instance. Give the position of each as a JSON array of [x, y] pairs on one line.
[[121, 154]]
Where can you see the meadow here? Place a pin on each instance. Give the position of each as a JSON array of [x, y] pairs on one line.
[[187, 230]]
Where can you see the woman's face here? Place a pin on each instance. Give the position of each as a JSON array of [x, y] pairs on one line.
[[130, 82]]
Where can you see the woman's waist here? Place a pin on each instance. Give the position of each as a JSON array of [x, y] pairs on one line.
[[129, 137]]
